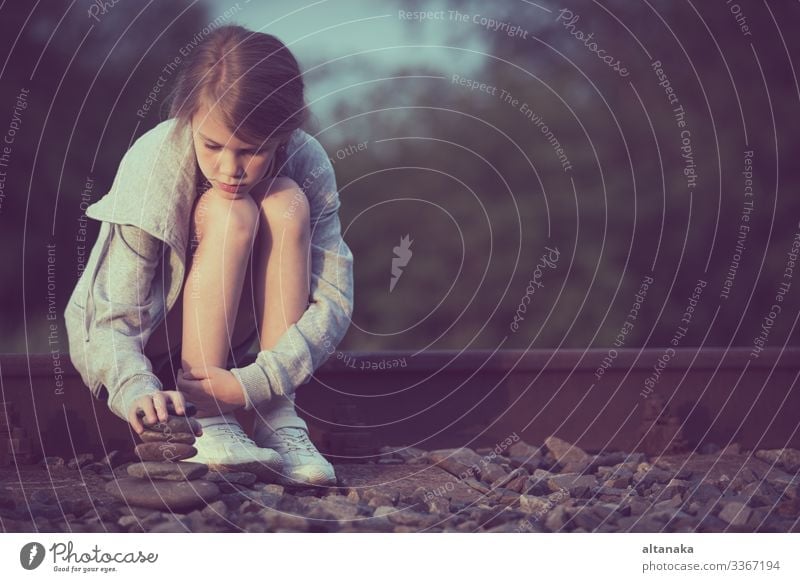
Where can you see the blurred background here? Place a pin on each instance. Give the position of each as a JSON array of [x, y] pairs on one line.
[[545, 159]]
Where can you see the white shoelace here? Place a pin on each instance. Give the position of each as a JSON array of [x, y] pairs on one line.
[[234, 431], [296, 439]]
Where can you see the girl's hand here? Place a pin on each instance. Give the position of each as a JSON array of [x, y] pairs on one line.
[[213, 390], [155, 410]]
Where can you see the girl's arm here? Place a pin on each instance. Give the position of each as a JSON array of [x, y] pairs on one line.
[[109, 314], [313, 339]]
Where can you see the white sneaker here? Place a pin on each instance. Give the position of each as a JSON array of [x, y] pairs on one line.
[[225, 447], [303, 465]]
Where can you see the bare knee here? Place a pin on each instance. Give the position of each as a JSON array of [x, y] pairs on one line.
[[234, 222], [285, 208]]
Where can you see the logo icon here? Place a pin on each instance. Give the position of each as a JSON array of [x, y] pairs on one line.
[[402, 256], [31, 555]]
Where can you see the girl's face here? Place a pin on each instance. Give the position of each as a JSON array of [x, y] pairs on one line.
[[232, 166]]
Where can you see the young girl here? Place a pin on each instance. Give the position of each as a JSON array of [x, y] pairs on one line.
[[220, 229]]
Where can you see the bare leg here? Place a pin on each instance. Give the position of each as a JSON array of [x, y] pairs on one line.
[[281, 269], [223, 232]]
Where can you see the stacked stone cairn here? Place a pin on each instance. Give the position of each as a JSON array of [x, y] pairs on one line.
[[163, 480]]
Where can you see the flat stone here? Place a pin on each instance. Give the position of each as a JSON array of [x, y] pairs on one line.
[[461, 462], [152, 436], [164, 495], [176, 424], [167, 471], [164, 451]]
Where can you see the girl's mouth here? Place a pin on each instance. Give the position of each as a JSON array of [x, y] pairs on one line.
[[231, 189]]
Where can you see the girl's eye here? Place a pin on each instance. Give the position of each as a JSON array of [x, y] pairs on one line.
[[212, 147]]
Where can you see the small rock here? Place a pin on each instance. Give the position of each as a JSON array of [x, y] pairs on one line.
[[166, 471], [576, 485], [676, 486], [380, 499], [557, 518], [53, 462], [271, 488], [215, 509], [571, 457], [523, 449], [735, 513], [166, 495], [164, 451], [80, 461], [528, 463], [789, 459], [492, 472], [461, 462], [115, 458], [436, 505], [477, 485], [532, 504], [504, 479]]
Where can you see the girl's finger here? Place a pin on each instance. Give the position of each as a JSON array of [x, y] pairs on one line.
[[150, 417], [160, 404], [133, 419], [178, 402]]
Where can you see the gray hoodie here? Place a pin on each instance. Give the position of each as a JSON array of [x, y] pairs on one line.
[[136, 268]]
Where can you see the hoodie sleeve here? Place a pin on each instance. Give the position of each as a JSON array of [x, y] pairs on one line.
[[307, 344], [106, 342]]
